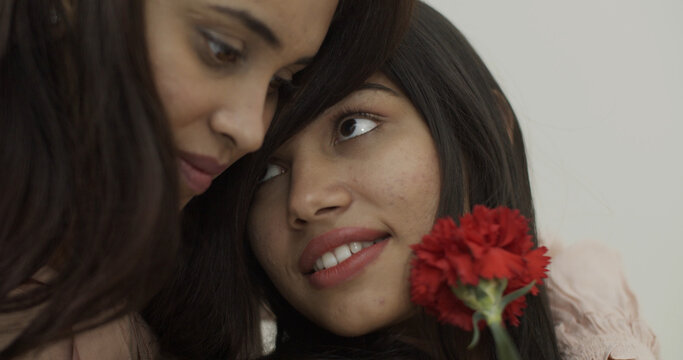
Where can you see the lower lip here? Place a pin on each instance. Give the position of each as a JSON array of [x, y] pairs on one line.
[[348, 268], [196, 180]]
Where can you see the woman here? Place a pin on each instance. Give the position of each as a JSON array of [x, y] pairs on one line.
[[430, 135], [117, 112], [335, 204]]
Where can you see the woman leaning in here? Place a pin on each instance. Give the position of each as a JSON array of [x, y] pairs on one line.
[[114, 114]]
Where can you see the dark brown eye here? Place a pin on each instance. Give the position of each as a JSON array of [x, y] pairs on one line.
[[351, 127], [218, 52], [281, 85], [223, 53], [347, 127]]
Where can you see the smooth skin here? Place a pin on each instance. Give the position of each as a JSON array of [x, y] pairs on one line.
[[218, 66]]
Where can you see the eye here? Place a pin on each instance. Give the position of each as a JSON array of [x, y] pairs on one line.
[[271, 171], [219, 52], [281, 85], [351, 127]]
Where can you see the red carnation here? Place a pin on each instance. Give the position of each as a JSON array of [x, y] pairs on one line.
[[491, 249]]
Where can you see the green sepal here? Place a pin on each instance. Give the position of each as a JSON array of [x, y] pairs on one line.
[[517, 293], [476, 318]]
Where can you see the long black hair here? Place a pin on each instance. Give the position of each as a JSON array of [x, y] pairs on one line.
[[482, 161], [88, 167], [207, 310]]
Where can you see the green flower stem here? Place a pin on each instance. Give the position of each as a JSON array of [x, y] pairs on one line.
[[488, 303], [505, 347]]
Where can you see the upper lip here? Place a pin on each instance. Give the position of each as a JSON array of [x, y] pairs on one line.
[[203, 163], [333, 239]]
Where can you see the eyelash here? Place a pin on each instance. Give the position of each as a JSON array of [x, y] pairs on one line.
[[283, 87], [342, 115], [346, 113], [212, 54]]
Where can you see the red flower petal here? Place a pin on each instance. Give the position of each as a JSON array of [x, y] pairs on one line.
[[499, 264], [489, 243], [464, 270]]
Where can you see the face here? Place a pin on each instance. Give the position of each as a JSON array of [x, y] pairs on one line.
[[218, 67], [339, 205]]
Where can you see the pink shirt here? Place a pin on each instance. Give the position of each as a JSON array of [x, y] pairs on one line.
[[595, 312]]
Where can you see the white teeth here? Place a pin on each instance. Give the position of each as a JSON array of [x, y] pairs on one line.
[[355, 247], [329, 260], [341, 253]]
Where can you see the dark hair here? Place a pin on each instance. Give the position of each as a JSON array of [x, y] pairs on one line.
[[482, 161], [89, 175], [206, 311]]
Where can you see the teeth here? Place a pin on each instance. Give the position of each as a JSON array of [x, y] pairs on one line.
[[329, 260], [341, 253], [355, 247]]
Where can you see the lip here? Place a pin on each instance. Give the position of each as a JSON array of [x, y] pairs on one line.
[[348, 268], [199, 170]]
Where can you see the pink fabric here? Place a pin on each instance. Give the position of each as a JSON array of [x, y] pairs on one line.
[[595, 312]]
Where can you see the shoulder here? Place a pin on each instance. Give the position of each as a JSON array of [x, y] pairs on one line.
[[127, 337], [594, 310]]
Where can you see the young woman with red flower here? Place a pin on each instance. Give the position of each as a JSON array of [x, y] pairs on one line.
[[331, 205], [341, 198]]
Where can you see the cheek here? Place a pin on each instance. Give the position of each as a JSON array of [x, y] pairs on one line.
[[181, 83], [183, 92], [411, 191]]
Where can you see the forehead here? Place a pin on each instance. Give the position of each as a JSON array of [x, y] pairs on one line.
[[377, 94], [374, 89], [289, 21]]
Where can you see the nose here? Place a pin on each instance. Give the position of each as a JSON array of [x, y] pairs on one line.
[[243, 119], [317, 192]]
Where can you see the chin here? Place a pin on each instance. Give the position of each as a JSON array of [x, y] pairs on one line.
[[352, 327], [366, 320], [352, 330]]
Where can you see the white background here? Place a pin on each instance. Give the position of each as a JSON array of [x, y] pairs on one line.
[[598, 88]]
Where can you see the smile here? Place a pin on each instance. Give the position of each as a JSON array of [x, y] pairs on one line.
[[340, 255], [333, 258]]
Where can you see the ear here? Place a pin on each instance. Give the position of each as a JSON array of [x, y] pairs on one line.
[[506, 111]]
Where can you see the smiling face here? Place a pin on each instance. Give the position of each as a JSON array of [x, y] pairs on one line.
[[218, 65], [339, 205]]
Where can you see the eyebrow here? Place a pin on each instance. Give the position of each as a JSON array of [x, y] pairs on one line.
[[252, 23], [380, 87]]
